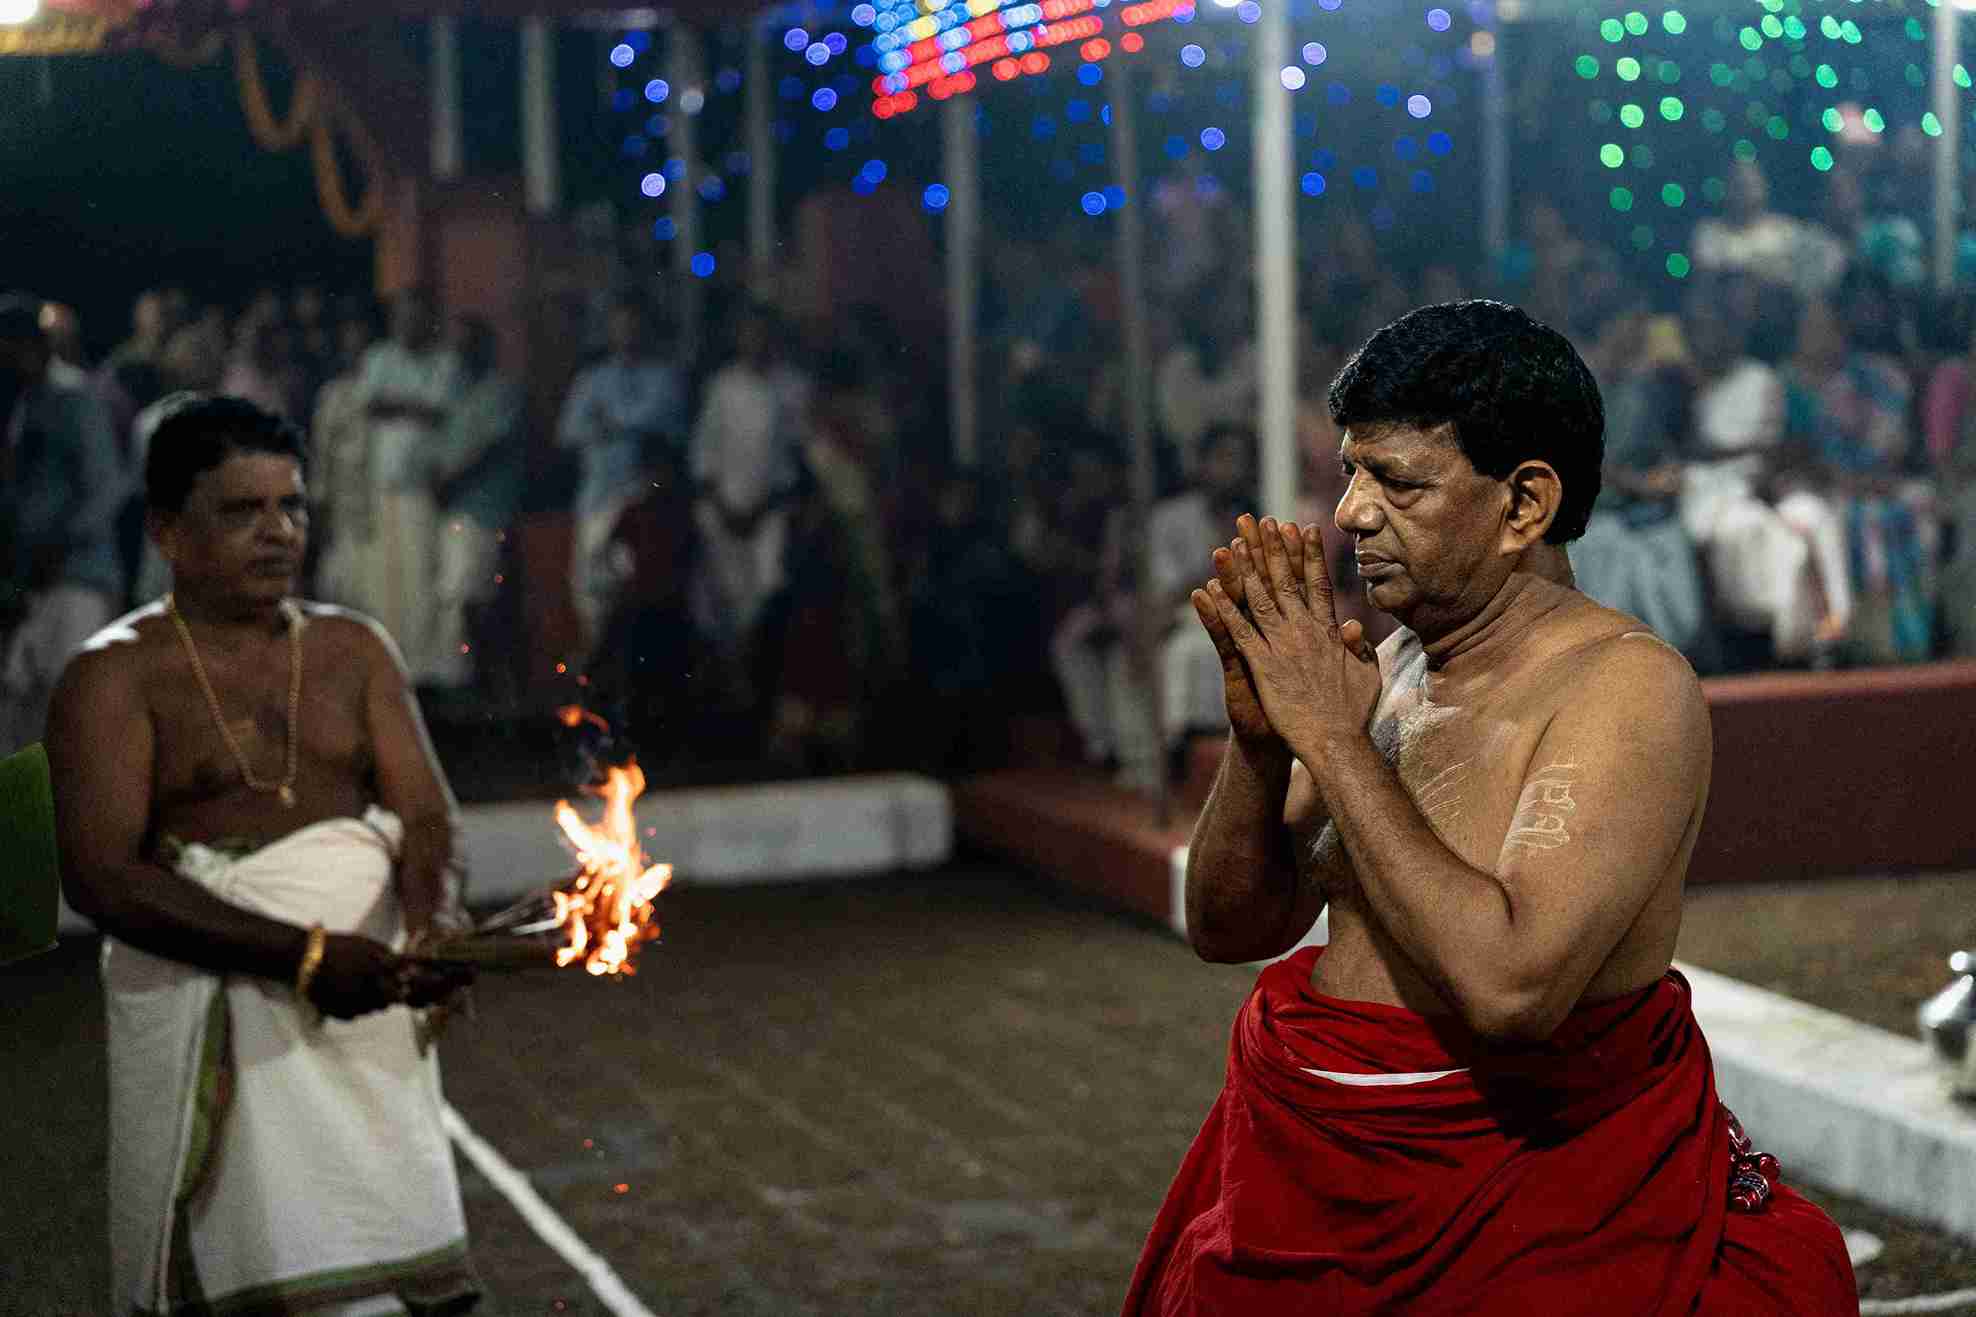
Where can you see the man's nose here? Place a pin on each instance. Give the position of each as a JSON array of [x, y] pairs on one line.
[[1357, 512]]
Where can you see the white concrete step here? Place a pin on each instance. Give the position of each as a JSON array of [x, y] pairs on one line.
[[1842, 1104], [839, 827], [817, 828]]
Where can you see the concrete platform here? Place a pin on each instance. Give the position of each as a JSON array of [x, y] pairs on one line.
[[1842, 1104], [818, 828]]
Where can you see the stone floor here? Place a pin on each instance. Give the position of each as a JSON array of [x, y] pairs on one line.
[[961, 1092]]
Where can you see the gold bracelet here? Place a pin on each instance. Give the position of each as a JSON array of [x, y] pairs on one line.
[[305, 973]]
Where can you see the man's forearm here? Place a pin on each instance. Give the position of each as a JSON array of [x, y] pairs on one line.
[[172, 916], [1241, 872], [428, 867], [1451, 920]]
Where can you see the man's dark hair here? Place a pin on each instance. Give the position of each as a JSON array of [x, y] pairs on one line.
[[1513, 390], [20, 318], [201, 430]]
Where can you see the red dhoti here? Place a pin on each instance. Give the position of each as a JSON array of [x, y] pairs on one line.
[[1367, 1159]]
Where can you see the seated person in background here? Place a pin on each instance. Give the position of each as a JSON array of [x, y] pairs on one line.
[[1949, 421], [1754, 240], [250, 811], [1136, 675], [1775, 552], [1849, 412], [1488, 1093], [1635, 557]]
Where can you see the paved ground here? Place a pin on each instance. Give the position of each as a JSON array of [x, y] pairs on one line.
[[951, 1093]]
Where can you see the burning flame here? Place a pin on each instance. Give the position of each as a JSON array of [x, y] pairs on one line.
[[606, 911]]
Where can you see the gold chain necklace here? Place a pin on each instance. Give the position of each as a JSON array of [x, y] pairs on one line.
[[284, 790]]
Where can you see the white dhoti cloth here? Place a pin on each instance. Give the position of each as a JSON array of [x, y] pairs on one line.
[[402, 559], [263, 1158], [1110, 704], [469, 555], [741, 571]]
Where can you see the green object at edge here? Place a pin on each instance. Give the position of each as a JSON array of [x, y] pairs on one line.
[[30, 873]]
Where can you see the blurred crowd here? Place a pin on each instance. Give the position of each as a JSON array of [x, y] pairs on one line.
[[772, 546]]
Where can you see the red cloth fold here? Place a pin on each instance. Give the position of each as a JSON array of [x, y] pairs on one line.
[[1586, 1175]]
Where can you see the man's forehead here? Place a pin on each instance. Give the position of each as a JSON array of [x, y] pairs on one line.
[[1397, 445], [247, 473]]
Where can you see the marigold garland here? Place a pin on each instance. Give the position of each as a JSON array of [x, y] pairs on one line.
[[270, 133], [314, 115]]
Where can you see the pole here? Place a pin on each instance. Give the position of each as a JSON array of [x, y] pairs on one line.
[[542, 182], [683, 60], [448, 142], [761, 156], [960, 146], [1495, 148], [1138, 386], [1276, 265], [1948, 147]]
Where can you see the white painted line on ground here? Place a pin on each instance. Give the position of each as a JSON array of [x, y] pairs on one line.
[[1920, 1303], [542, 1218]]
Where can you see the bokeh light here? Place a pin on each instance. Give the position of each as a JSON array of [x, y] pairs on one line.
[[702, 265], [1292, 78], [935, 197], [1315, 53], [1419, 106], [652, 185], [1213, 138], [622, 55], [1193, 56]]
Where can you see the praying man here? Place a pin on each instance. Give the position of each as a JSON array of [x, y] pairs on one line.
[[1487, 1093], [249, 809]]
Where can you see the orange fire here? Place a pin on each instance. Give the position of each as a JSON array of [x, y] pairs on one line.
[[606, 911]]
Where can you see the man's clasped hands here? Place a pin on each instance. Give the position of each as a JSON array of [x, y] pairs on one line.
[[1291, 674]]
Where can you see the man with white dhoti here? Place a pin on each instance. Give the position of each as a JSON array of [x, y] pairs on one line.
[[409, 384], [248, 807], [744, 465], [623, 415]]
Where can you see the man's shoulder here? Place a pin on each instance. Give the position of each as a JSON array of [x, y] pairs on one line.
[[359, 634], [1617, 660], [120, 655]]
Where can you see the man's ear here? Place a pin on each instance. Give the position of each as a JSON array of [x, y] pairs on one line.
[[1535, 494]]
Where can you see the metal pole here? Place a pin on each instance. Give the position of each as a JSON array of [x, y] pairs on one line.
[[448, 143], [683, 59], [960, 146], [761, 156], [1495, 147], [1276, 264], [1948, 147], [1138, 387], [542, 181]]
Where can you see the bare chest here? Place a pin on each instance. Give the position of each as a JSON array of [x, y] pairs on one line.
[[248, 718], [1469, 773]]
